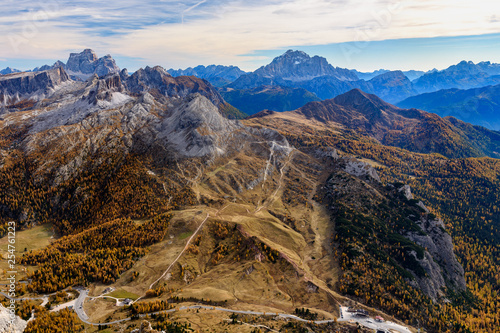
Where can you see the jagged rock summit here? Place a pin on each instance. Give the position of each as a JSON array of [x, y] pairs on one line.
[[292, 66], [9, 70], [299, 66], [86, 63]]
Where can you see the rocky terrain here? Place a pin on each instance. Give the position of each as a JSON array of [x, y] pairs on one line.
[[5, 326], [33, 86], [150, 188]]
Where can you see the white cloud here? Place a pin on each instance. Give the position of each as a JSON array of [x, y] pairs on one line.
[[203, 32], [242, 29]]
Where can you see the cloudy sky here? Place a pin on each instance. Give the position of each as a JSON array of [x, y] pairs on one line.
[[361, 34]]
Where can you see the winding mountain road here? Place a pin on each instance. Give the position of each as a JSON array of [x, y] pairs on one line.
[[345, 317]]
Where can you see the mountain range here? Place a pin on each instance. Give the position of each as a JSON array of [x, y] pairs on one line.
[[80, 66], [217, 75], [295, 69], [464, 75], [414, 130], [411, 74], [297, 79], [479, 106], [278, 98], [140, 188]]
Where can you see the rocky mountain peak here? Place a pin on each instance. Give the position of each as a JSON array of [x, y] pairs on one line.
[[291, 69], [361, 101], [195, 127], [124, 74], [9, 70], [297, 66], [295, 55], [82, 62], [465, 66], [82, 65], [104, 88]]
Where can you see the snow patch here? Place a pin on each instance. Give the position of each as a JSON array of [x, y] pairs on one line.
[[79, 75], [117, 99]]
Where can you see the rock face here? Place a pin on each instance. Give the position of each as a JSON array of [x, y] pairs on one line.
[[82, 62], [406, 190], [440, 262], [195, 128], [19, 324], [104, 88], [158, 82], [85, 64], [360, 169], [30, 85]]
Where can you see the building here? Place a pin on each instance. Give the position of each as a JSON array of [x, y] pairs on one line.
[[361, 313]]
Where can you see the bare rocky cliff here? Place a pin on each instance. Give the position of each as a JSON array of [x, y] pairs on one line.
[[30, 85], [18, 326], [440, 262]]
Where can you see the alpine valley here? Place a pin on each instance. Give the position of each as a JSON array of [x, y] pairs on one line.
[[151, 201]]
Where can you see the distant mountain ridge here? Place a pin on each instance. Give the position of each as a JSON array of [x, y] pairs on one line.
[[217, 75], [296, 69], [478, 106], [9, 70], [411, 74], [276, 98], [297, 78], [464, 75]]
